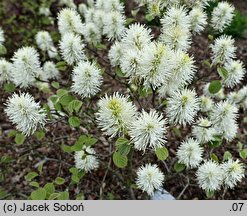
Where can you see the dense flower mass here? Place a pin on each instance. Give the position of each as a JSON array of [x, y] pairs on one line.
[[148, 130], [25, 113], [149, 178]]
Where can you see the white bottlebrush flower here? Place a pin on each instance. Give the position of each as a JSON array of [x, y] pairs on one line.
[[181, 73], [82, 8], [91, 33], [233, 172], [222, 16], [149, 178], [49, 71], [182, 107], [177, 38], [176, 16], [98, 19], [25, 113], [116, 53], [52, 52], [86, 160], [2, 39], [26, 66], [72, 48], [44, 40], [130, 63], [223, 49], [235, 73], [206, 104], [115, 114], [137, 36], [90, 15], [68, 3], [154, 8], [44, 11], [210, 176], [148, 130], [198, 20], [234, 97], [224, 119], [5, 71], [110, 5], [203, 131], [114, 25], [86, 79], [69, 20], [155, 64], [190, 153]]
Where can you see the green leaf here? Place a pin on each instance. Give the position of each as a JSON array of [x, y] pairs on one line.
[[178, 167], [119, 160], [209, 193], [119, 72], [30, 176], [123, 147], [207, 63], [101, 46], [6, 159], [63, 196], [216, 142], [74, 170], [62, 92], [75, 178], [61, 65], [12, 133], [222, 72], [49, 188], [34, 184], [74, 105], [9, 87], [19, 138], [67, 148], [55, 85], [162, 153], [214, 87], [227, 156], [39, 135], [3, 194], [3, 50], [149, 17], [66, 99], [214, 157], [74, 121], [243, 153], [59, 181], [53, 196], [121, 141], [90, 141], [39, 194]]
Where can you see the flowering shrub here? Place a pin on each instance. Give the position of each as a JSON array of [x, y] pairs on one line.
[[131, 88]]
